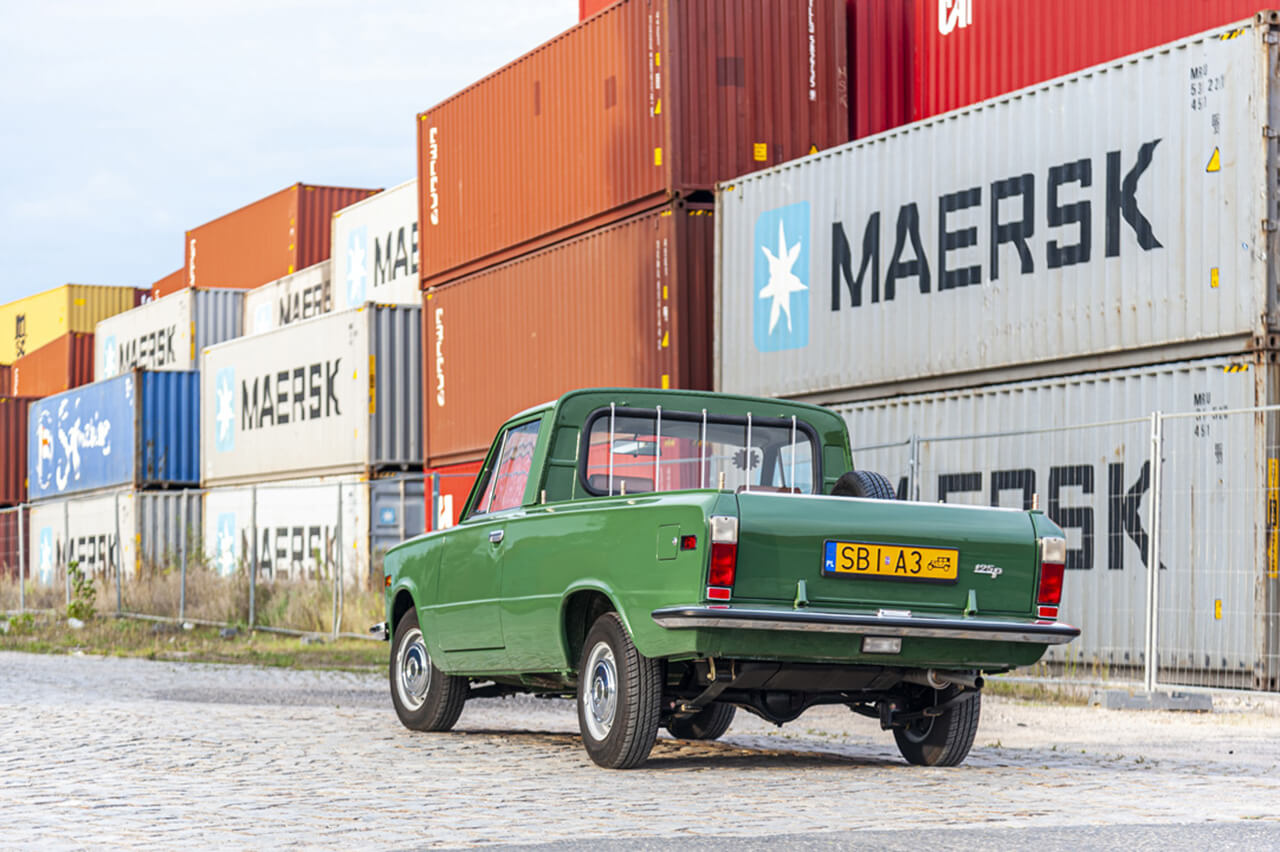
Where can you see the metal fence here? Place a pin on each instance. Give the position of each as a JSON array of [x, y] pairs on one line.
[[294, 557], [1194, 493]]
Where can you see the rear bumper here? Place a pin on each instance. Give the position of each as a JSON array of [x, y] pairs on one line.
[[826, 621]]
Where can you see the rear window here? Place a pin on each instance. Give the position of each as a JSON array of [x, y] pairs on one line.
[[633, 452]]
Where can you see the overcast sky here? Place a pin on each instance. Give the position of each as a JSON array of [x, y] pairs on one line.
[[125, 122]]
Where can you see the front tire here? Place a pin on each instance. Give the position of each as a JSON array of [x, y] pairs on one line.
[[425, 698], [708, 724], [942, 740], [619, 696]]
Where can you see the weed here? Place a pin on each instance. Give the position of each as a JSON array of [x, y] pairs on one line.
[[81, 605]]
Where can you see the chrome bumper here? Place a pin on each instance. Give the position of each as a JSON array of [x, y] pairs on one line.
[[380, 632], [915, 626]]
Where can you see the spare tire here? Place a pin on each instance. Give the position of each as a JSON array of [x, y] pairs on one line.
[[863, 483]]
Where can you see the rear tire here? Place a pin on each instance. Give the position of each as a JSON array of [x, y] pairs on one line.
[[708, 724], [425, 698], [619, 696], [942, 740], [863, 483]]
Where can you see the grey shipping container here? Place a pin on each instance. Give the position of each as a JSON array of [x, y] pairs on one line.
[[1118, 217], [168, 333], [334, 395], [1218, 492], [131, 530]]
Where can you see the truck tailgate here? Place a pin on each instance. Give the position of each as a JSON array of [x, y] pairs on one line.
[[885, 554]]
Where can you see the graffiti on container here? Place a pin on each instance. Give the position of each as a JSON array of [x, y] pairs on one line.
[[96, 554], [20, 334], [63, 438], [912, 259], [285, 551]]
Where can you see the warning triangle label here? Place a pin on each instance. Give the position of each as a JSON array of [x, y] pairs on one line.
[[1215, 162]]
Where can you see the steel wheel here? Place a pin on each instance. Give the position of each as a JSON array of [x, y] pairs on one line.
[[600, 698], [412, 675], [619, 696], [425, 698]]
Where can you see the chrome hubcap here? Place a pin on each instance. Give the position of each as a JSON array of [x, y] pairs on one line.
[[413, 670], [600, 692]]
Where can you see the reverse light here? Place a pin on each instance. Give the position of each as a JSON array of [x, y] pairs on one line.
[[1053, 558], [724, 556]]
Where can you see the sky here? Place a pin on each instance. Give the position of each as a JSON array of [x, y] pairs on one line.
[[124, 123]]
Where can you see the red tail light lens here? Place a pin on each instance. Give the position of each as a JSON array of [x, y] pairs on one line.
[[724, 564], [1053, 557]]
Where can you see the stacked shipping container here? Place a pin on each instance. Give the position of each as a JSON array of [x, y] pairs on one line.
[[375, 249], [63, 364], [167, 333]]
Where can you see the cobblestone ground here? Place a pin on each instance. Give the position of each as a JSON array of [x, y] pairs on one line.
[[116, 752]]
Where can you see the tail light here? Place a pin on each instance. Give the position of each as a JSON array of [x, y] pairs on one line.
[[1053, 560], [724, 557]]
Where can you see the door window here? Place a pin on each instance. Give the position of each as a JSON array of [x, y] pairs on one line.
[[505, 486]]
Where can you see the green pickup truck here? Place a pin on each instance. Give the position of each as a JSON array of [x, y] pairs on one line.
[[666, 557]]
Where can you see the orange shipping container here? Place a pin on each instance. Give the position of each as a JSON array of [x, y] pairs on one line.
[[587, 8], [59, 366], [172, 282], [13, 449], [6, 379], [628, 304], [447, 490], [268, 239], [639, 104]]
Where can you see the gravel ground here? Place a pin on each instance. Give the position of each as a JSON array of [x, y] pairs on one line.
[[122, 752]]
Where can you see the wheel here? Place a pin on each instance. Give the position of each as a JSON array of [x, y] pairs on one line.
[[709, 724], [619, 696], [942, 740], [425, 698], [863, 483]]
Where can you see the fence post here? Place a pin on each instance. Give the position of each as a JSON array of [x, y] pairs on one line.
[[253, 551], [339, 558], [66, 538], [22, 565], [183, 531], [913, 467], [1152, 663], [434, 520], [120, 553]]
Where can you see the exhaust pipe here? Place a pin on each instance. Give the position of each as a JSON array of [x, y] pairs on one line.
[[942, 679]]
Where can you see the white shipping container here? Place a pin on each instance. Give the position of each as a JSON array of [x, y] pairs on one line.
[[134, 530], [1117, 217], [334, 395], [1007, 444], [375, 249], [306, 528], [305, 294], [168, 333]]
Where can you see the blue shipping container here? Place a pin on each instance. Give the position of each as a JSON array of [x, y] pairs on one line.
[[141, 429]]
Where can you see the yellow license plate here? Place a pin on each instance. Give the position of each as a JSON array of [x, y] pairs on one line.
[[890, 561]]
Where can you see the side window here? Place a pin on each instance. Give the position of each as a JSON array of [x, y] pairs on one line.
[[505, 486]]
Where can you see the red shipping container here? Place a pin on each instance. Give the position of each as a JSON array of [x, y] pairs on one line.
[[13, 449], [449, 486], [12, 549], [6, 379], [625, 305], [59, 366], [268, 239], [640, 104], [965, 51]]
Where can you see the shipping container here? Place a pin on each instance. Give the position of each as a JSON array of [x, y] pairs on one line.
[[14, 412], [27, 324], [306, 529], [448, 488], [375, 249], [171, 283], [133, 531], [914, 59], [268, 239], [333, 395], [1018, 444], [63, 364], [640, 104], [303, 295], [15, 542], [1070, 230], [167, 333], [6, 379], [138, 430], [587, 8], [628, 305]]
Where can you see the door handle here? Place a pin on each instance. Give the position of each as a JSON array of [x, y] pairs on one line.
[[495, 536]]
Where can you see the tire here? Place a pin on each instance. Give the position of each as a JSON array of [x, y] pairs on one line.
[[425, 698], [942, 740], [710, 724], [619, 696], [864, 483]]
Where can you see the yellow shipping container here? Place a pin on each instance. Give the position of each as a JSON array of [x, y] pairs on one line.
[[28, 324]]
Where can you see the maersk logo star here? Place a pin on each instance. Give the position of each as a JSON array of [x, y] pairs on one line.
[[782, 281], [224, 417], [781, 278], [357, 266]]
